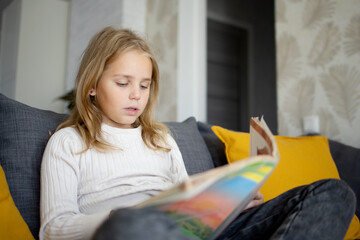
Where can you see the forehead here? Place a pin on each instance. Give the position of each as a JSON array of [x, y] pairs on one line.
[[135, 58]]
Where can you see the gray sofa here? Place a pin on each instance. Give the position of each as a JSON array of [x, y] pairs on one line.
[[24, 132]]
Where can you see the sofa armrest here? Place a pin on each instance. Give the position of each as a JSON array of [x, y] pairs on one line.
[[347, 160]]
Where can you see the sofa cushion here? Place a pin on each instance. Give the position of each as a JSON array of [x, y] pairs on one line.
[[192, 146], [303, 160], [12, 225], [213, 143], [24, 132]]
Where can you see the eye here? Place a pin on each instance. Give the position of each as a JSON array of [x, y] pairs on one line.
[[121, 84], [145, 84]]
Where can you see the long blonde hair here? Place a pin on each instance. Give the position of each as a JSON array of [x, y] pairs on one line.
[[86, 117]]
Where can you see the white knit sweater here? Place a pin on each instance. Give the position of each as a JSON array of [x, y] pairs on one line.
[[78, 191]]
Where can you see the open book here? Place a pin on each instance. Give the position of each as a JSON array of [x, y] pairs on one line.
[[207, 202]]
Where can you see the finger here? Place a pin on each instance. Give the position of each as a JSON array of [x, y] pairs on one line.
[[253, 203], [259, 196]]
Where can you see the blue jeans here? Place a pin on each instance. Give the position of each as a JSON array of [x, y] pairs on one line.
[[322, 210]]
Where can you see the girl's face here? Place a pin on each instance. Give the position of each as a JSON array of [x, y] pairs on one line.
[[123, 89]]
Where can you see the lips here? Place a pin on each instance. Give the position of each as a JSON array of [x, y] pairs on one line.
[[132, 110]]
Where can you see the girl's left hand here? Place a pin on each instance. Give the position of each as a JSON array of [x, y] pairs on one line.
[[258, 199]]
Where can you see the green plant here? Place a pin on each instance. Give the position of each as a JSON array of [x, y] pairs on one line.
[[69, 97]]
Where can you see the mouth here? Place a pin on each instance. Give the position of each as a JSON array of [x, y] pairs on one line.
[[132, 110]]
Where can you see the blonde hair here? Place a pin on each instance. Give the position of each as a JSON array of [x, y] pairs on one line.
[[86, 117]]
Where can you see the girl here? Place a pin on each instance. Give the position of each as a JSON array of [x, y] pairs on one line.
[[110, 154]]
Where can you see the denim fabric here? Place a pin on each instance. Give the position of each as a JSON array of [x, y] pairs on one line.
[[322, 210], [139, 224]]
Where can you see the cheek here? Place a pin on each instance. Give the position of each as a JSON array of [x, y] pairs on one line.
[[146, 99], [107, 100], [101, 103]]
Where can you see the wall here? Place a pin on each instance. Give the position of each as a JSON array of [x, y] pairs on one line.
[[9, 47], [41, 53], [161, 28], [318, 56], [35, 43], [191, 78]]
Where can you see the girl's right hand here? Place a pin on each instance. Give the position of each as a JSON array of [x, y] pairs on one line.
[[258, 199]]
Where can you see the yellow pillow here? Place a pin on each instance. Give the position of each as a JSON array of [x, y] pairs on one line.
[[303, 160], [12, 225]]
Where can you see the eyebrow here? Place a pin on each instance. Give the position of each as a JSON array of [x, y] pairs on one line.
[[130, 77]]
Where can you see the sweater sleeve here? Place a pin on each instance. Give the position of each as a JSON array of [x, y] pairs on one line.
[[59, 210], [178, 170]]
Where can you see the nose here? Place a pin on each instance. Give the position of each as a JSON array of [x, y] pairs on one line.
[[135, 93]]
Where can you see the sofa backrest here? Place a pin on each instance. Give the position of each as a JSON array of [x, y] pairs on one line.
[[24, 132]]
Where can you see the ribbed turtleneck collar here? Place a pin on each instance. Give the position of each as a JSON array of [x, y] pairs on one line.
[[114, 130]]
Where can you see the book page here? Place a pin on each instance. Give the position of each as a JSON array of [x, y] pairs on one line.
[[205, 214], [262, 141], [198, 183], [206, 203]]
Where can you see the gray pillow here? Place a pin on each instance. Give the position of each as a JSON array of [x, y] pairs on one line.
[[347, 160], [214, 144], [192, 146], [24, 132]]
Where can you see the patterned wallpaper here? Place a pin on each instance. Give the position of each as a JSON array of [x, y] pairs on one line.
[[161, 29], [318, 67]]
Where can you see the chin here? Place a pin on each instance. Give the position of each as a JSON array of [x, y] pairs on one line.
[[129, 122]]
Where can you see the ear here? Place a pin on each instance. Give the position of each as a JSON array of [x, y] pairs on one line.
[[92, 92]]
